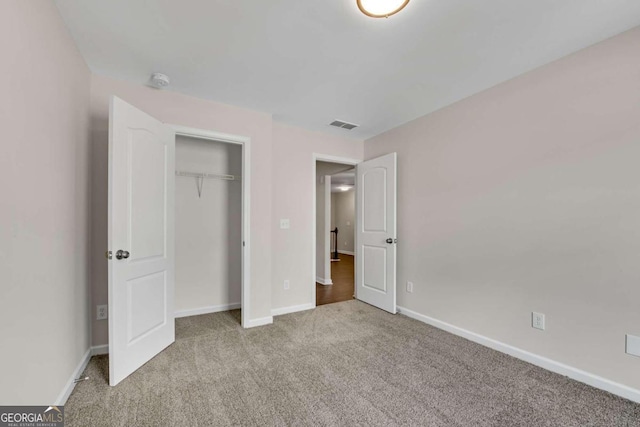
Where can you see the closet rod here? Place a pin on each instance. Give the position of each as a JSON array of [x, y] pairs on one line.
[[209, 175]]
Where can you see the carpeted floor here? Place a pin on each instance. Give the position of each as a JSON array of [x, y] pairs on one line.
[[340, 364]]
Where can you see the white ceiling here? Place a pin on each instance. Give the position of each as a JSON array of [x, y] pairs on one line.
[[343, 179], [309, 62]]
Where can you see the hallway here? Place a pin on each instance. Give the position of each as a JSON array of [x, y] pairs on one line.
[[343, 277]]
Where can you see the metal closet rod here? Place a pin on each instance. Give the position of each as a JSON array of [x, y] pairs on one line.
[[209, 175]]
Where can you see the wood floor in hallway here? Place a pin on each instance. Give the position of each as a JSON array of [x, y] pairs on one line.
[[343, 278]]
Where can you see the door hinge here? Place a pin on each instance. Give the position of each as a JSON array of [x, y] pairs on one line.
[[108, 254]]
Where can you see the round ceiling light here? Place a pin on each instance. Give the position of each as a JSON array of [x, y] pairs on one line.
[[381, 8]]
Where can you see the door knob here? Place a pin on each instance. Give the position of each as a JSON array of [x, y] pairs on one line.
[[122, 254], [389, 240]]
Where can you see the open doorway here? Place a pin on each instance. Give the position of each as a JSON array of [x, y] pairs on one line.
[[208, 226], [226, 159], [335, 232]]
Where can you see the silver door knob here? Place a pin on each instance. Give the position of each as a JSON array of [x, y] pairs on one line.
[[122, 254]]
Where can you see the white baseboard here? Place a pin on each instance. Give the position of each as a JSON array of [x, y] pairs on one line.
[[68, 387], [252, 323], [207, 310], [292, 309], [543, 362], [347, 252], [104, 349], [324, 281]]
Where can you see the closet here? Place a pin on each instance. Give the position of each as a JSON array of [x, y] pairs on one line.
[[208, 226]]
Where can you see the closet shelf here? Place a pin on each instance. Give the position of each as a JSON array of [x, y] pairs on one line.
[[200, 176], [209, 175]]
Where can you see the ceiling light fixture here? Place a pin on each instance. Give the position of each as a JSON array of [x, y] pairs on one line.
[[381, 8]]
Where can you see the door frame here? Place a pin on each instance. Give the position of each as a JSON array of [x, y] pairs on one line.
[[245, 143], [331, 159]]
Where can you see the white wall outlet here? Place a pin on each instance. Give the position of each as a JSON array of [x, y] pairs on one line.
[[285, 224], [286, 285], [102, 312], [410, 287], [632, 345], [537, 320]]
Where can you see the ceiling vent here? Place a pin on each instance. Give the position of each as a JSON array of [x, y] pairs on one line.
[[343, 125]]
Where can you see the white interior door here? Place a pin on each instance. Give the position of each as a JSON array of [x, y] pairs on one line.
[[141, 238], [376, 232]]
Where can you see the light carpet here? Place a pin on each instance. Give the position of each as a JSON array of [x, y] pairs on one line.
[[340, 364]]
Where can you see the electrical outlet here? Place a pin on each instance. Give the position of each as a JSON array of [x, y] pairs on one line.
[[537, 320], [286, 285], [632, 345], [102, 312], [410, 287], [285, 224]]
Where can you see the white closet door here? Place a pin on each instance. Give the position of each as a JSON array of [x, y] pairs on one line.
[[141, 238]]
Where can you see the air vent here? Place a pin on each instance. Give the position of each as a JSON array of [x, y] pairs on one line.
[[343, 125]]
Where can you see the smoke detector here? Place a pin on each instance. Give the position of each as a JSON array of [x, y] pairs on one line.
[[159, 80]]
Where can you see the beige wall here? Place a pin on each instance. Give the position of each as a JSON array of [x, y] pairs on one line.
[[526, 197], [344, 206], [293, 184], [174, 108], [208, 227], [45, 204], [282, 192]]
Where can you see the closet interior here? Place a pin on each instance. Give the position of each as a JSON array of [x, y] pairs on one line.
[[208, 226]]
